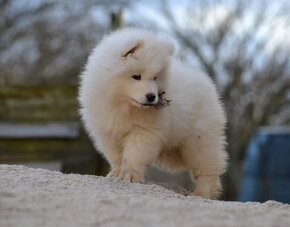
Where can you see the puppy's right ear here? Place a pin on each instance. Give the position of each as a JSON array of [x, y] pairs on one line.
[[132, 49]]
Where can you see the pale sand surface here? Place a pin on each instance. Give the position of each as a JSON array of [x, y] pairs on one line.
[[36, 197]]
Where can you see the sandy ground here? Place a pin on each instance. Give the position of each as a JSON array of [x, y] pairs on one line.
[[37, 197]]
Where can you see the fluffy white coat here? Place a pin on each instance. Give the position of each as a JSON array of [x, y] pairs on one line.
[[130, 132]]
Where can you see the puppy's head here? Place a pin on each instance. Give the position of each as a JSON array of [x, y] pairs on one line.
[[141, 68]]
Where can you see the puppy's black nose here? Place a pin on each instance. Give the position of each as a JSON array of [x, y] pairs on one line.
[[150, 97]]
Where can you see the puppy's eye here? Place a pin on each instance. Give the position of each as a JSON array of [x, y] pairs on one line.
[[155, 77], [136, 77]]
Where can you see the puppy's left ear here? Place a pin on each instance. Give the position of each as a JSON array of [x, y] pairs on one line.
[[132, 49]]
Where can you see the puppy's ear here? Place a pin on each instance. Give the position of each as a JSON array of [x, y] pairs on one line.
[[132, 49]]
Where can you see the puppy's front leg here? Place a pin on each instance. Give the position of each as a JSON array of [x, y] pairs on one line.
[[140, 150], [112, 152]]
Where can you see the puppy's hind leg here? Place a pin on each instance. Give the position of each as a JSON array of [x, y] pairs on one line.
[[206, 165], [208, 187]]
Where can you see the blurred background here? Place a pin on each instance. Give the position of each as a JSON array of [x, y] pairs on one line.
[[242, 45]]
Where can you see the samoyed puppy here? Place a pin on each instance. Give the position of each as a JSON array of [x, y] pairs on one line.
[[142, 106]]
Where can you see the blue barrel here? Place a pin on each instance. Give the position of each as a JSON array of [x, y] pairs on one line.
[[267, 166]]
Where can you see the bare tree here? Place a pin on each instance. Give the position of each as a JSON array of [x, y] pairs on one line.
[[240, 47], [49, 41]]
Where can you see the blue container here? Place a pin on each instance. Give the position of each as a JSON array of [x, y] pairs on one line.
[[267, 166]]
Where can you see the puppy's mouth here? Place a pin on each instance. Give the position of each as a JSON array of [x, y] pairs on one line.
[[162, 103], [141, 105], [147, 104]]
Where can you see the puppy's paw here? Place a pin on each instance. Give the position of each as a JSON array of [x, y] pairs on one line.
[[203, 194], [131, 176], [114, 173], [208, 187]]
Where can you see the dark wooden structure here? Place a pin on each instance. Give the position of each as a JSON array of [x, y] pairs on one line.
[[40, 124]]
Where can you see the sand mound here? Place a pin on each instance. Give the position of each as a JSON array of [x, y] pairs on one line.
[[37, 197]]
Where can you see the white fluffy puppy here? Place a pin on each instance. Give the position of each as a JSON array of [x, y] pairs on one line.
[[120, 94]]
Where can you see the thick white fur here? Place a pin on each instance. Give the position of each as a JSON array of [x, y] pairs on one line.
[[188, 134]]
